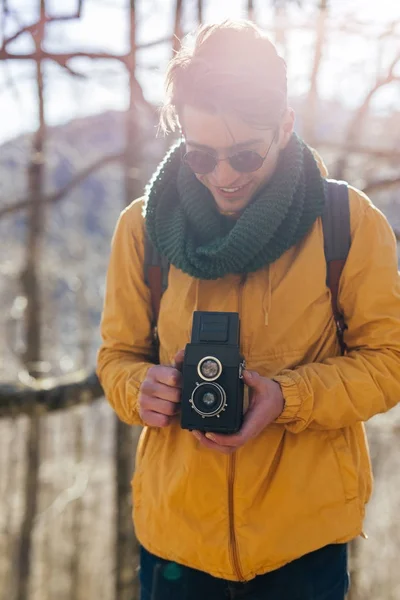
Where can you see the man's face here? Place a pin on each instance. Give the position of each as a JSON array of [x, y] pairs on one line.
[[223, 136]]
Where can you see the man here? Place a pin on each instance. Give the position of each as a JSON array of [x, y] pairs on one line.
[[236, 210]]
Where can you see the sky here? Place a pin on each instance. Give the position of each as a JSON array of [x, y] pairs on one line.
[[349, 67]]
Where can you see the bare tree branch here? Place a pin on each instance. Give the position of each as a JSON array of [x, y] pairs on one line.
[[76, 15], [4, 55], [17, 34], [375, 186], [393, 155], [165, 40], [33, 27], [381, 82], [72, 72], [390, 30], [62, 57], [49, 394], [354, 128], [62, 193], [363, 28]]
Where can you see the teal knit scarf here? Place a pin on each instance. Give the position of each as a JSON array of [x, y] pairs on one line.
[[186, 227]]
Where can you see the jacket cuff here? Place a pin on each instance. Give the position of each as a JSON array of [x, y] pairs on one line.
[[290, 384], [132, 391]]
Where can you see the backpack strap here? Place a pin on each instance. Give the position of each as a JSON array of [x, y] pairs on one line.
[[337, 240], [156, 268]]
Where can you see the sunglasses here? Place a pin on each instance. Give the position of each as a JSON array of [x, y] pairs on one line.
[[245, 161]]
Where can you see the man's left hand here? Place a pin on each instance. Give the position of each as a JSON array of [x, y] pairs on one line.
[[266, 403]]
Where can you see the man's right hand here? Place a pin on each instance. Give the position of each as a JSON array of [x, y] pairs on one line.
[[160, 393]]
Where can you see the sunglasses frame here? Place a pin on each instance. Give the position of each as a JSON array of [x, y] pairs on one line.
[[229, 159]]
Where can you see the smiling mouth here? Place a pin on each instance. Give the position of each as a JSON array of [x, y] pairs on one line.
[[232, 190]]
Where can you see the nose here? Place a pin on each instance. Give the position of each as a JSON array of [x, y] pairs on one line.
[[224, 175]]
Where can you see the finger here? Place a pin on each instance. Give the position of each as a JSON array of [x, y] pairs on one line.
[[229, 441], [154, 389], [252, 379], [178, 359], [168, 375], [157, 405], [154, 419], [207, 443], [254, 422]]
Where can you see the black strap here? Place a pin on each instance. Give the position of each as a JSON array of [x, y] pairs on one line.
[[156, 268], [337, 241]]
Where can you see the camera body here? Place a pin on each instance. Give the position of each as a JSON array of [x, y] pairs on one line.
[[213, 389]]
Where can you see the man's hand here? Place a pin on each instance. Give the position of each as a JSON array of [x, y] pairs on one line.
[[265, 405], [160, 393]]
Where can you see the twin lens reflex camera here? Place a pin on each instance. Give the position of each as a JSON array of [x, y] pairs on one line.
[[213, 389]]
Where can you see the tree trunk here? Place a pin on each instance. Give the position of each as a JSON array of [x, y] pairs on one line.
[[30, 275], [200, 12], [30, 494], [32, 355], [78, 547], [354, 570], [280, 27], [126, 581], [250, 10], [311, 104], [127, 561], [178, 32]]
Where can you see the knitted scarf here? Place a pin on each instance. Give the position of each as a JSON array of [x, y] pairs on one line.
[[185, 226]]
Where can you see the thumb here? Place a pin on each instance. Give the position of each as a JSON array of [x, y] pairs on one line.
[[178, 359], [251, 379]]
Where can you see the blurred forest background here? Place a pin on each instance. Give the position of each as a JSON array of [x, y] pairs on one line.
[[80, 82]]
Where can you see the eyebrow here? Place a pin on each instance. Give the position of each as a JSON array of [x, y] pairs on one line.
[[237, 146]]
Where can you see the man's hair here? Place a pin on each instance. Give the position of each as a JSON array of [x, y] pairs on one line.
[[233, 67]]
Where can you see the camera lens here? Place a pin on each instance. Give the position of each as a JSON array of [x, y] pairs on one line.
[[209, 368], [208, 399]]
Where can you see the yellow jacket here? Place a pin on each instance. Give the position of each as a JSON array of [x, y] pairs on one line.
[[304, 481]]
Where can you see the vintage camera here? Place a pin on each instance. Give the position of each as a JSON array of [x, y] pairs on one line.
[[213, 389]]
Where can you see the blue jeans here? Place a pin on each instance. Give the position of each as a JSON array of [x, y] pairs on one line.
[[320, 575]]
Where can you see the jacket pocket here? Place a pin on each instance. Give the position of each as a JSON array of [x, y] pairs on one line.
[[345, 462], [365, 462]]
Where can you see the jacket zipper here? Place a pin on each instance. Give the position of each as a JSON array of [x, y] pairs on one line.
[[231, 479], [232, 537]]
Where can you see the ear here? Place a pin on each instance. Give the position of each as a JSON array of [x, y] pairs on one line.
[[286, 128]]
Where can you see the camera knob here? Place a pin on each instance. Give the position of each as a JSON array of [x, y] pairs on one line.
[[242, 367]]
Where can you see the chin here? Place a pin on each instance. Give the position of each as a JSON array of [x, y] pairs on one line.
[[231, 208]]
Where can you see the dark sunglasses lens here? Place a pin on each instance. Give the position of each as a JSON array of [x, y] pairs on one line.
[[246, 161], [200, 162]]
